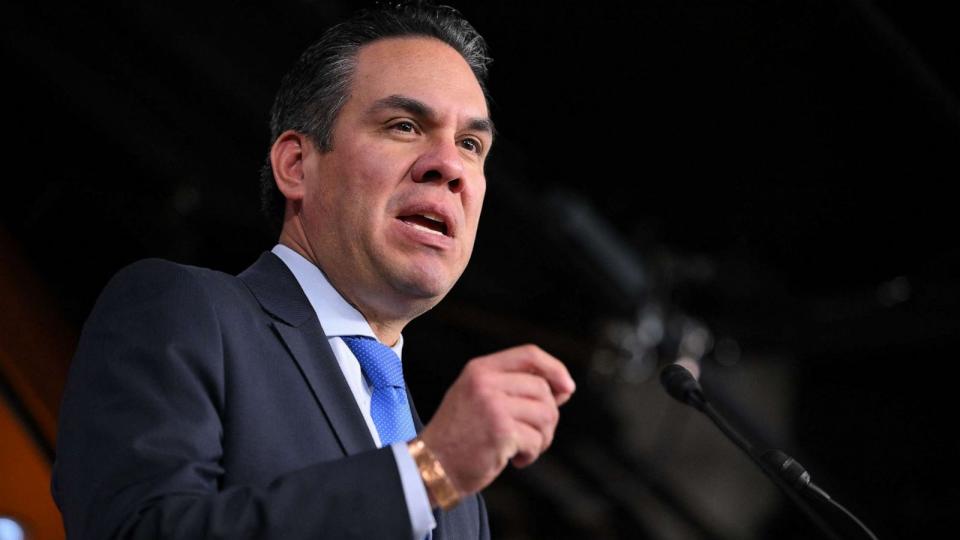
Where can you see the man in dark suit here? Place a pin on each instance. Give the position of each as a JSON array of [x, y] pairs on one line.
[[203, 405]]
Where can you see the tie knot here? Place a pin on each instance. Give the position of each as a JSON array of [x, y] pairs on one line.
[[379, 363]]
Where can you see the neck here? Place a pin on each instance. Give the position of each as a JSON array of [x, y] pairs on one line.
[[386, 329], [387, 335]]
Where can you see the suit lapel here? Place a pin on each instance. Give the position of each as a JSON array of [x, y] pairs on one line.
[[296, 325]]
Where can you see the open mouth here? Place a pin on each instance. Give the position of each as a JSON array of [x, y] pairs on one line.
[[430, 223]]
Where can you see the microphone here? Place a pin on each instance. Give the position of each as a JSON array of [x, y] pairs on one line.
[[785, 471], [683, 386], [680, 383], [788, 468]]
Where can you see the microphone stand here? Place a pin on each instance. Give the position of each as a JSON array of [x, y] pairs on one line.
[[783, 470]]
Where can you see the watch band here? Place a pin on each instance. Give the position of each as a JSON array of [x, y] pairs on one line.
[[440, 488]]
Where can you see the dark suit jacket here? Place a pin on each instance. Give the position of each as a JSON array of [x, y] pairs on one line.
[[203, 405]]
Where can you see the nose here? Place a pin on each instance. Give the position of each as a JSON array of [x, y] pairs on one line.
[[441, 163]]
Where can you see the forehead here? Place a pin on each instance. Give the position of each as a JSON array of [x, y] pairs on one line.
[[422, 68]]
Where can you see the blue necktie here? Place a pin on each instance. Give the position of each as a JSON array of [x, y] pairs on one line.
[[388, 401]]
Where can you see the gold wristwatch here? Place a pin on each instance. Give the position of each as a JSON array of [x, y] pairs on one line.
[[440, 488]]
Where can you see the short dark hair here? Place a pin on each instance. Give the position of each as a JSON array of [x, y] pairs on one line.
[[312, 93]]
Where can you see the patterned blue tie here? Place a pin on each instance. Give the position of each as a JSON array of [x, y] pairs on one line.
[[388, 401]]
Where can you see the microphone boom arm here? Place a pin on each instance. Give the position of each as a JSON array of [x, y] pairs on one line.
[[783, 470]]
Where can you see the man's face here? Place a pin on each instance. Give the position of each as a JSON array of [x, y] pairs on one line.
[[391, 211]]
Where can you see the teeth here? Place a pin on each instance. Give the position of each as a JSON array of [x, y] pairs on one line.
[[425, 229], [433, 217]]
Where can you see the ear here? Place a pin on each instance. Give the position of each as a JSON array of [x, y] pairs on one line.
[[286, 158]]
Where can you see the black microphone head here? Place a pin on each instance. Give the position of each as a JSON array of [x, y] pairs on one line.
[[682, 385]]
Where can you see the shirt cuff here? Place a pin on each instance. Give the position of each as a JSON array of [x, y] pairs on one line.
[[415, 493]]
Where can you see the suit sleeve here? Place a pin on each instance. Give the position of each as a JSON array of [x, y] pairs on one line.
[[483, 520], [141, 425]]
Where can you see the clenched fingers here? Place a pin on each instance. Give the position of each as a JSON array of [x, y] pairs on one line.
[[538, 415], [534, 360]]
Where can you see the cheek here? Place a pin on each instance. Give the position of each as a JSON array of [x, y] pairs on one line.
[[473, 203], [375, 176], [352, 183], [382, 158]]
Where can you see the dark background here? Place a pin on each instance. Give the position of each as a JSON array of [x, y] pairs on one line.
[[776, 173]]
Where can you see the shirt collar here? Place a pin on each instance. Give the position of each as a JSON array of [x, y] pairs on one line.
[[336, 315]]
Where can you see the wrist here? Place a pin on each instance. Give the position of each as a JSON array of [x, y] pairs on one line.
[[440, 488]]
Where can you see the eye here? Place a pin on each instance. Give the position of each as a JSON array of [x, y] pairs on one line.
[[404, 126], [472, 145]]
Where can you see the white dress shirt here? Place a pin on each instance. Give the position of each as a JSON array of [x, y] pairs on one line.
[[339, 318]]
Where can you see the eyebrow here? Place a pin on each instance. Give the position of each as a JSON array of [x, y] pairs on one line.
[[417, 108]]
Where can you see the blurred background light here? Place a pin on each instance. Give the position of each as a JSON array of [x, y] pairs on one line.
[[10, 529]]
